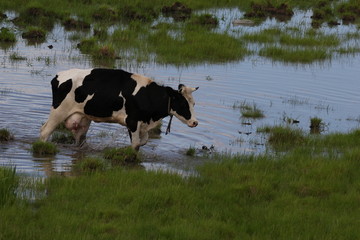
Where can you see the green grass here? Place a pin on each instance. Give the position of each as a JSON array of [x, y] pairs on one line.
[[14, 56], [188, 42], [121, 156], [191, 151], [7, 36], [311, 192], [89, 165], [295, 46], [34, 34], [295, 55], [249, 110], [40, 148], [8, 184], [5, 135], [286, 137]]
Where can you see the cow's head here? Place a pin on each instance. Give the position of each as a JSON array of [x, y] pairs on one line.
[[182, 105]]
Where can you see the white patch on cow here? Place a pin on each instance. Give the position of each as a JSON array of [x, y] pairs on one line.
[[141, 81], [120, 116], [77, 75]]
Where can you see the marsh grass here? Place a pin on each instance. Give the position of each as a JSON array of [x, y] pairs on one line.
[[295, 55], [121, 156], [249, 110], [89, 165], [316, 125], [195, 45], [5, 135], [283, 138], [294, 46], [191, 151], [34, 34], [191, 41], [40, 148], [9, 182], [309, 192], [62, 137], [7, 36], [15, 56]]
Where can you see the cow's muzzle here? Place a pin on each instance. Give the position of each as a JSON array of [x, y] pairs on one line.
[[192, 123]]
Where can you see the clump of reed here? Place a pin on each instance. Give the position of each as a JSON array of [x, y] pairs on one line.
[[40, 148], [191, 151], [7, 36], [89, 165], [121, 156], [283, 137], [249, 110], [5, 135]]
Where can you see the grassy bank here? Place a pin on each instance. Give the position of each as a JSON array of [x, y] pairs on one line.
[[310, 192], [147, 32]]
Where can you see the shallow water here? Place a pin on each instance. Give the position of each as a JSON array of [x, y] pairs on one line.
[[328, 90]]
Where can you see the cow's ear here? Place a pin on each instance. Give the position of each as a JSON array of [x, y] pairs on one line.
[[181, 87]]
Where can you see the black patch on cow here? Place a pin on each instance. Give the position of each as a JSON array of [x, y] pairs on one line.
[[180, 105], [59, 92], [106, 86], [150, 103]]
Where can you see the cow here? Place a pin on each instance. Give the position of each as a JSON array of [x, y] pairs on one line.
[[80, 96]]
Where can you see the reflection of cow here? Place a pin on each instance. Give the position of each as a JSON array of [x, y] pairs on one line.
[[116, 96]]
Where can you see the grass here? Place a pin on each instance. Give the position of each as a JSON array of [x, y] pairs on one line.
[[90, 165], [294, 55], [7, 36], [249, 111], [142, 37], [40, 148], [121, 156], [34, 34], [295, 46], [308, 193], [316, 125], [196, 45], [8, 184], [5, 135], [14, 56], [191, 151]]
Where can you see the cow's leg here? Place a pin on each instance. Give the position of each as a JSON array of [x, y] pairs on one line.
[[55, 118], [144, 136], [135, 137]]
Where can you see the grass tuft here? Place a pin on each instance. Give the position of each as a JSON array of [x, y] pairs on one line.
[[121, 156], [294, 55], [5, 135], [284, 138], [34, 34], [6, 36], [316, 125], [191, 151], [40, 148], [90, 165], [249, 111]]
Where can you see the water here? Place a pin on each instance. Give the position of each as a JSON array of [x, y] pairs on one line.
[[328, 90]]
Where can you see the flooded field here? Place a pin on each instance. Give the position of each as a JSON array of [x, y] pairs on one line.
[[284, 92]]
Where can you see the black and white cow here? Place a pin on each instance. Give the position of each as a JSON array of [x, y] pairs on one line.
[[116, 96]]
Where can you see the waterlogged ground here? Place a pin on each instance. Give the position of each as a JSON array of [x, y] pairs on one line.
[[328, 90]]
